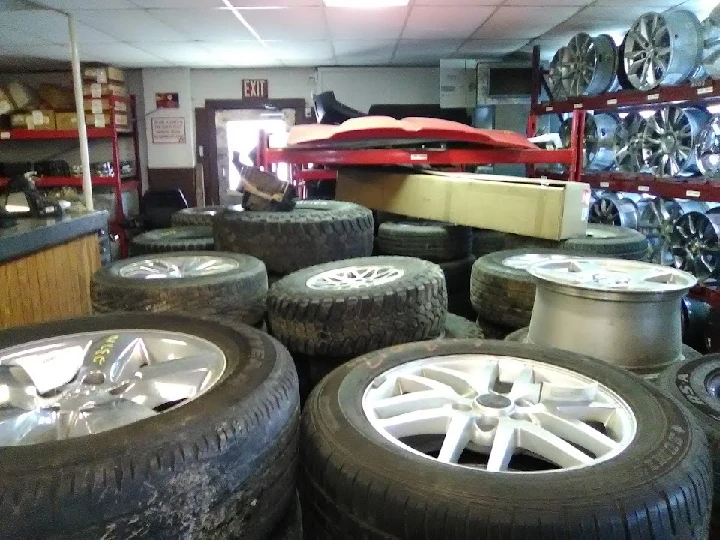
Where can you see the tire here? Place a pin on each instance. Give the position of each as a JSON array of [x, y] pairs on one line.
[[202, 215], [315, 232], [504, 294], [687, 382], [342, 323], [220, 466], [356, 483], [492, 330], [425, 240], [457, 274], [461, 328], [290, 527], [486, 241], [237, 295], [173, 239]]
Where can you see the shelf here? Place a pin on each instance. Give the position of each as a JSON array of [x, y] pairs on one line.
[[73, 181], [416, 157], [49, 135], [707, 91]]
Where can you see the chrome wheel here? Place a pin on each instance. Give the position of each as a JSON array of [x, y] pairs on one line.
[[354, 277], [501, 414], [523, 262], [708, 149], [590, 65], [696, 244], [81, 384], [657, 223], [178, 267], [556, 77], [662, 49], [628, 144], [598, 150], [669, 140], [614, 211]]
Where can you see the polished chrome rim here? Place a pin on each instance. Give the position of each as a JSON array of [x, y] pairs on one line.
[[614, 211], [669, 140], [523, 262], [556, 76], [657, 224], [590, 64], [81, 384], [613, 275], [178, 267], [355, 277], [708, 149], [696, 244], [628, 144], [499, 414], [599, 137]]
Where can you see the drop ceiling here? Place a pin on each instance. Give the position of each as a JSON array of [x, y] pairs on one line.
[[304, 33]]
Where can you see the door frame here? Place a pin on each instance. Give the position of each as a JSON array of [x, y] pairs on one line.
[[212, 106]]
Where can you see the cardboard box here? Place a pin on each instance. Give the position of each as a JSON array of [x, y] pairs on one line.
[[6, 104], [550, 209], [44, 120], [105, 120], [22, 96], [103, 75], [98, 90], [65, 121], [98, 106], [56, 97]]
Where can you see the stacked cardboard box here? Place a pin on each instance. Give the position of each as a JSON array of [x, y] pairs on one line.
[[101, 84]]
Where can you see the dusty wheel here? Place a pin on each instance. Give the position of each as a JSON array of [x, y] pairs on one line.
[[314, 232], [490, 425], [347, 308], [173, 239], [425, 240], [154, 426], [201, 215], [211, 284]]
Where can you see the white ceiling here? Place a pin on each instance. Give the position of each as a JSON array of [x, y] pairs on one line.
[[206, 33]]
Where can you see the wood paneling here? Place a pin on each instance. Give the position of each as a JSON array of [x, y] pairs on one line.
[[183, 178], [51, 284]]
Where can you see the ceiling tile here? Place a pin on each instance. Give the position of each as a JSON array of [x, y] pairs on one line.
[[544, 3], [181, 54], [447, 22], [55, 52], [425, 52], [129, 25], [364, 24], [479, 48], [317, 52], [23, 26], [288, 24], [458, 2], [648, 4], [217, 25], [120, 54], [260, 4], [241, 54], [179, 4], [523, 22], [75, 5], [364, 53]]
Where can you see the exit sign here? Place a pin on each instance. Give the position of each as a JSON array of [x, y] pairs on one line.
[[257, 88]]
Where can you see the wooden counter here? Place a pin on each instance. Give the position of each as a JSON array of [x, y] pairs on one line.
[[46, 266]]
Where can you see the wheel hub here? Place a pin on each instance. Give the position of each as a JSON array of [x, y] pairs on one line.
[[355, 277]]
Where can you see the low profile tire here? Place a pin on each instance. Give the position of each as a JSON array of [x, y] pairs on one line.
[[204, 283], [425, 240], [501, 289], [202, 215], [457, 274], [173, 239], [460, 328], [347, 308], [219, 463], [652, 479], [314, 232]]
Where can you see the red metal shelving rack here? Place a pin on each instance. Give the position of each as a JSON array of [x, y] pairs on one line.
[[110, 132]]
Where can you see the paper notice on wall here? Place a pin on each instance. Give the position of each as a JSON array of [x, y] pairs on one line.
[[168, 130]]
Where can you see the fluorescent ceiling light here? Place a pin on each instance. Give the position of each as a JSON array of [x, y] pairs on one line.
[[366, 4]]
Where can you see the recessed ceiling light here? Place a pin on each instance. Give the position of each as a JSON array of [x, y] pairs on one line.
[[366, 4]]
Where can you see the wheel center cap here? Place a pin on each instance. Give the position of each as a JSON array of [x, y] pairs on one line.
[[493, 401]]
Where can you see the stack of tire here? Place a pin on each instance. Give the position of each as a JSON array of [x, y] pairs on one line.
[[185, 238]]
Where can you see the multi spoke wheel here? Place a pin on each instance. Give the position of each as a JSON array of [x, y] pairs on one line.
[[598, 151], [662, 49], [696, 244], [556, 75], [76, 385], [354, 277], [628, 143], [590, 65], [614, 211], [499, 414], [707, 153], [178, 267], [669, 140], [657, 223]]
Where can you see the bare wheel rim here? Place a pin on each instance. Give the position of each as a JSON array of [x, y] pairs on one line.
[[589, 64], [657, 223], [669, 140], [628, 144], [81, 384], [355, 277], [696, 244], [500, 414], [178, 267], [525, 261], [556, 77], [708, 149], [614, 211], [599, 137], [662, 49]]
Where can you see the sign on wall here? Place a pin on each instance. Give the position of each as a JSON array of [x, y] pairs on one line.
[[168, 130], [167, 100], [256, 88]]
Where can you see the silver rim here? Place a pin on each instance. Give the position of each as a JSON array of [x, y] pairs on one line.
[[355, 277], [556, 75], [696, 244], [628, 144], [708, 149], [613, 275], [523, 262], [590, 64], [669, 140], [614, 211], [662, 49], [81, 384], [499, 414], [178, 267], [656, 223], [598, 151]]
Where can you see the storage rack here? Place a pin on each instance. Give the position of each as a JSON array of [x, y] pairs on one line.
[[703, 92], [113, 133]]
